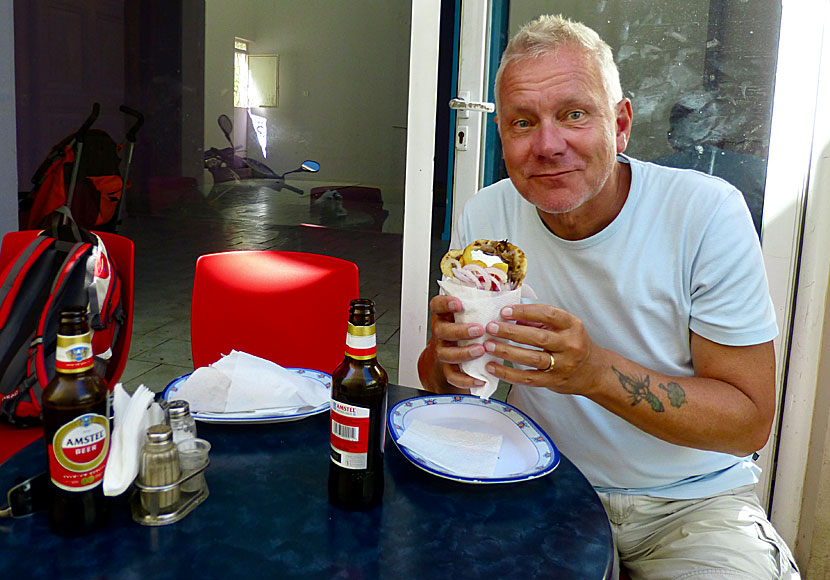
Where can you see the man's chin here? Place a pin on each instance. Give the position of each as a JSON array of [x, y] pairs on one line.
[[557, 203]]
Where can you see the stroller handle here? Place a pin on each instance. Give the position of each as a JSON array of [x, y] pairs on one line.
[[136, 126], [96, 109]]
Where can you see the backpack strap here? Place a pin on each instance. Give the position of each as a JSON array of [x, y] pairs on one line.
[[24, 287], [14, 275], [47, 324]]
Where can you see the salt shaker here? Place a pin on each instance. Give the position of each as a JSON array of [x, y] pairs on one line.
[[181, 421], [159, 466]]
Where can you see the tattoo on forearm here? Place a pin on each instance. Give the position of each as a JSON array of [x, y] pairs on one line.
[[676, 394], [640, 390]]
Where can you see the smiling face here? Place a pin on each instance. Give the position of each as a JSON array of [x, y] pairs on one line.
[[560, 133]]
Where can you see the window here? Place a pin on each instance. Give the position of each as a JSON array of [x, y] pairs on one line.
[[256, 77], [240, 73]]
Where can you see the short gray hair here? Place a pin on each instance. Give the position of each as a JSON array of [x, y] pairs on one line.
[[547, 34]]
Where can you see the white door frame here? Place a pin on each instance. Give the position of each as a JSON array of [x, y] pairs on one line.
[[472, 82], [423, 87], [420, 150], [798, 156]]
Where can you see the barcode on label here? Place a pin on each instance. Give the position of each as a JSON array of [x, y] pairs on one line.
[[345, 431]]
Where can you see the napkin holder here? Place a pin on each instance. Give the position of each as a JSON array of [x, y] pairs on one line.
[[147, 512]]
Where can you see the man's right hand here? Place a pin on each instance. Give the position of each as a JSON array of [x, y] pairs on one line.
[[438, 366]]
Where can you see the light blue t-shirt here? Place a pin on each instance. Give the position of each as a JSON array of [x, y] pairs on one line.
[[682, 255]]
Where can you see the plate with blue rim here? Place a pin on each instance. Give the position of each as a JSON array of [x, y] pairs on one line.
[[527, 452], [258, 415]]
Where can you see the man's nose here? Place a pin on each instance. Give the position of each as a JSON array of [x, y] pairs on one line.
[[549, 140]]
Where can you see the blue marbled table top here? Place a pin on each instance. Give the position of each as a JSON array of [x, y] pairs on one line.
[[268, 516]]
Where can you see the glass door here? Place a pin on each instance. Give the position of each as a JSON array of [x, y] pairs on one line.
[[701, 76]]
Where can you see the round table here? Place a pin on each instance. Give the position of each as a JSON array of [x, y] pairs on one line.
[[268, 515]]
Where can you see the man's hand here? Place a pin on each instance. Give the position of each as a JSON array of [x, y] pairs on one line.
[[548, 331], [728, 405], [438, 366]]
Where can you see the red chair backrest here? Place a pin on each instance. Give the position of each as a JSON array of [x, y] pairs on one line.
[[291, 308], [122, 252]]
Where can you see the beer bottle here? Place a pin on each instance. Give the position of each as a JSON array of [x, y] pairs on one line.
[[76, 430], [358, 416]]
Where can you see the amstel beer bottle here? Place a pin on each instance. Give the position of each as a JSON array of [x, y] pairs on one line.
[[358, 416], [76, 430]]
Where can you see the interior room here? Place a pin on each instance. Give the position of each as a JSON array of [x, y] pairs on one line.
[[238, 96]]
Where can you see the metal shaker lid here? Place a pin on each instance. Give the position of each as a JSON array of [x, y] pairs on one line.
[[159, 435], [178, 408]]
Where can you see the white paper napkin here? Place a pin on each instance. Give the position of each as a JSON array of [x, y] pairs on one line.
[[133, 415], [242, 382], [480, 307], [465, 453], [206, 389]]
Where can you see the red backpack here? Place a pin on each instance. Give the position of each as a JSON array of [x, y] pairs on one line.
[[54, 271]]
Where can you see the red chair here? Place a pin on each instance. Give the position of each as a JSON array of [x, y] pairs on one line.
[[287, 307], [122, 252]]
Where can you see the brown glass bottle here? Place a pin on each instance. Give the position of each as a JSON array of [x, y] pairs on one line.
[[76, 431], [358, 416]]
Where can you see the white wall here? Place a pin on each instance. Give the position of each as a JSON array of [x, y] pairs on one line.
[[344, 70], [8, 145]]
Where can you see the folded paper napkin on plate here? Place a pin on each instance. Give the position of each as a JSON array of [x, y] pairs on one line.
[[242, 382], [464, 453], [133, 415]]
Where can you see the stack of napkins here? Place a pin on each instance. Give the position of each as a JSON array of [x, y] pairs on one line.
[[464, 453], [133, 415], [242, 382]]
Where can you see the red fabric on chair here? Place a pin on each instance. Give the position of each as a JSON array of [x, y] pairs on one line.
[[287, 307], [122, 251], [13, 439]]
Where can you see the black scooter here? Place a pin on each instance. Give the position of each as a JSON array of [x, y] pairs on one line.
[[227, 167]]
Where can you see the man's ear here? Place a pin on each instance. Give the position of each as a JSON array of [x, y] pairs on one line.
[[625, 117]]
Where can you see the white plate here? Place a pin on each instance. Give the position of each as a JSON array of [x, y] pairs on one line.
[[527, 452], [260, 415]]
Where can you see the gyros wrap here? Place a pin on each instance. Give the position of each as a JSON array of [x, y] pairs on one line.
[[486, 276]]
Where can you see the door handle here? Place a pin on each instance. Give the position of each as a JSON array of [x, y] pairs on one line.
[[462, 104]]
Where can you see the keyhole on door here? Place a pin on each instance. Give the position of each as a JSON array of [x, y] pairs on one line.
[[461, 138]]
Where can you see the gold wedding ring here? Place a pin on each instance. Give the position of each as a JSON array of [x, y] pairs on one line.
[[550, 366]]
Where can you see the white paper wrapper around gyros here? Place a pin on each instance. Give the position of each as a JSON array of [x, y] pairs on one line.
[[481, 307]]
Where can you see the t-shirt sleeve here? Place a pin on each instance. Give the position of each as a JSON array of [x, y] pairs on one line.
[[458, 237], [729, 290]]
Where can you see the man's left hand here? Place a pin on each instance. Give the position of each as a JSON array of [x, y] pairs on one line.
[[564, 363]]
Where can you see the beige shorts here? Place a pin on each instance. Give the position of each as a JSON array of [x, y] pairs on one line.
[[723, 537]]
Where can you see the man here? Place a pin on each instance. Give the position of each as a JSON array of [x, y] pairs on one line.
[[648, 358]]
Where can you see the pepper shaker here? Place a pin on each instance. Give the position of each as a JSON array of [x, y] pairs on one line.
[[181, 421], [159, 466]]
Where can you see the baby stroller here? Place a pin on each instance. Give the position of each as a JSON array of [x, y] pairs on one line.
[[230, 169], [82, 172]]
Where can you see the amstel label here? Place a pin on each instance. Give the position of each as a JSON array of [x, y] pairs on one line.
[[361, 343], [78, 452], [349, 435], [73, 354]]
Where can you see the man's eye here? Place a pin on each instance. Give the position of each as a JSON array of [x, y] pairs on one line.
[[575, 115], [522, 123]]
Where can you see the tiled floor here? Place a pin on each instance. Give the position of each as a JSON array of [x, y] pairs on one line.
[[169, 242]]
